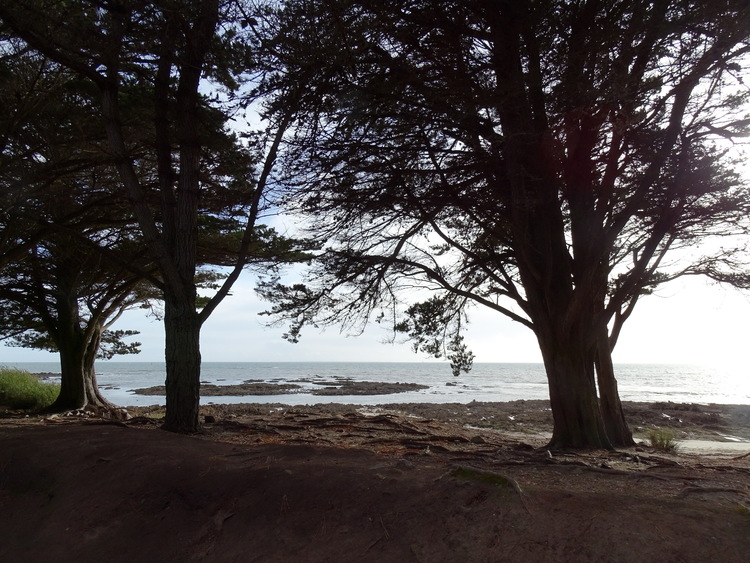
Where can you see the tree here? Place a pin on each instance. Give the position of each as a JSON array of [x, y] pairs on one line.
[[191, 57], [543, 159], [59, 214], [59, 301]]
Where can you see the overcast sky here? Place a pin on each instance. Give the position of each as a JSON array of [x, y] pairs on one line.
[[686, 321]]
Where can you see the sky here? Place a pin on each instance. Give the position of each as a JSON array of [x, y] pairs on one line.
[[686, 321]]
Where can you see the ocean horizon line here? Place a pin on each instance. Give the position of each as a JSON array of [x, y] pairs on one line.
[[487, 381], [103, 363]]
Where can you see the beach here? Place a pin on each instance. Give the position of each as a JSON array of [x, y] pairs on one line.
[[390, 482], [365, 476], [717, 427]]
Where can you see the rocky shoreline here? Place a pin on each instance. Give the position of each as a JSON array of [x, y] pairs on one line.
[[336, 387], [688, 421], [716, 423]]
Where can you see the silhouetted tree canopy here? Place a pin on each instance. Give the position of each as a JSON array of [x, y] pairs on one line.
[[171, 74], [550, 160]]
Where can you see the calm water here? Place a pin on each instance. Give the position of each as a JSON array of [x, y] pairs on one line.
[[486, 382]]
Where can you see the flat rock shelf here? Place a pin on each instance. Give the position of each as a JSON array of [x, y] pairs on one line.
[[321, 388]]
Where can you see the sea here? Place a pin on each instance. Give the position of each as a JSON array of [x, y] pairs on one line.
[[485, 382]]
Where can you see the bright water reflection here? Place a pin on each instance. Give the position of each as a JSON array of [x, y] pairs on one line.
[[486, 382]]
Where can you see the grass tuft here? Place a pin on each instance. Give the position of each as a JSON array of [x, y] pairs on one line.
[[21, 390], [662, 439]]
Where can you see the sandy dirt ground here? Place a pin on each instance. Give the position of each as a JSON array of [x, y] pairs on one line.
[[420, 482]]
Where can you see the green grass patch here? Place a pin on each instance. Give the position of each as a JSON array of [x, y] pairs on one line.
[[662, 439], [21, 390]]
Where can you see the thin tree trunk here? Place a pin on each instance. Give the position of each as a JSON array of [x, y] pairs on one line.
[[609, 397], [183, 359], [93, 396]]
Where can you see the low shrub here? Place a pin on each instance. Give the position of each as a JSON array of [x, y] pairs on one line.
[[21, 390], [662, 439]]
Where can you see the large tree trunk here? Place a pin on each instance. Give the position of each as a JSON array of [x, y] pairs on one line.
[[609, 397], [78, 387], [77, 348], [529, 184], [577, 419], [183, 359], [72, 389], [182, 322]]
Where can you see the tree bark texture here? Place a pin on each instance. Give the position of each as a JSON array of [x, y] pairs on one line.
[[562, 317], [183, 359], [609, 397], [78, 386], [182, 321], [77, 346], [569, 363]]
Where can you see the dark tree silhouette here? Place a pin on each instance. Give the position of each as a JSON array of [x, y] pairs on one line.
[[542, 159], [66, 239], [187, 59]]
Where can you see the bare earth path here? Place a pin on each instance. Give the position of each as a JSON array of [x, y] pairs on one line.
[[340, 483]]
